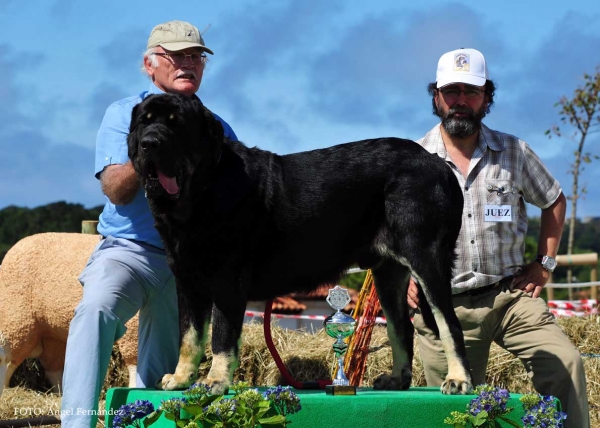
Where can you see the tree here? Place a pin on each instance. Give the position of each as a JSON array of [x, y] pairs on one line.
[[582, 112]]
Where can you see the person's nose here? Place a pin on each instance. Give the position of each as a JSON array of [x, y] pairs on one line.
[[462, 98], [187, 62]]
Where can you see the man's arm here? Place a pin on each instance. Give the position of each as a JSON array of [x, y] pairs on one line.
[[120, 183], [533, 277]]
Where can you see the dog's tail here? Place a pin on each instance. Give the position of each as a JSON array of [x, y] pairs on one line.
[[427, 314]]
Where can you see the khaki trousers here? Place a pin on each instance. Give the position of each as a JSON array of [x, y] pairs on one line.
[[524, 327]]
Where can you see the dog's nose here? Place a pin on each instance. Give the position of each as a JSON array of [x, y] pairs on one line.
[[149, 144]]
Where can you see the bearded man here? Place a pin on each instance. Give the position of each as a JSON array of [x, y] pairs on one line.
[[495, 295]]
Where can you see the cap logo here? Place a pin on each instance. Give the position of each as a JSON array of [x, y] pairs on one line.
[[462, 62]]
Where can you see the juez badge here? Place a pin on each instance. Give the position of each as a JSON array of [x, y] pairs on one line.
[[496, 213]]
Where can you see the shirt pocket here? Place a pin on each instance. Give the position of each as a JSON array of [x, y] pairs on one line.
[[501, 192]]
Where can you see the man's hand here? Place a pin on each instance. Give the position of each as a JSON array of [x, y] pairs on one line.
[[413, 294], [531, 279]]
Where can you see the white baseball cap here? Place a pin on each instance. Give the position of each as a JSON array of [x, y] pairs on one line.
[[462, 66]]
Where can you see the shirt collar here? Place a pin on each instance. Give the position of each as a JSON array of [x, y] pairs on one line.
[[490, 139], [155, 90], [434, 143]]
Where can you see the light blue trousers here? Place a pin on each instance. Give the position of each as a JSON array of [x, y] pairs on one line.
[[121, 278]]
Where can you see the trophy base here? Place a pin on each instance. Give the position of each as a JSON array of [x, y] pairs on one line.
[[340, 390]]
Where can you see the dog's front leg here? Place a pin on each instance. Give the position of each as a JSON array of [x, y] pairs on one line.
[[193, 324], [227, 320]]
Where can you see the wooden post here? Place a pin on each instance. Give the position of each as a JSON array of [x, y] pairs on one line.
[[550, 291], [580, 259], [89, 227], [594, 278]]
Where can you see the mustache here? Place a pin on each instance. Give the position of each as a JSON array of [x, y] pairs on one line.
[[188, 74], [461, 110]]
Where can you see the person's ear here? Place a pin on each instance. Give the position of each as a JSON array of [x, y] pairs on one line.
[[149, 66], [436, 98]]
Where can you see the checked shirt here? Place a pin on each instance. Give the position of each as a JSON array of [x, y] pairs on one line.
[[504, 172]]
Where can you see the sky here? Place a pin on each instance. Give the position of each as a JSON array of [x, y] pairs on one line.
[[287, 75]]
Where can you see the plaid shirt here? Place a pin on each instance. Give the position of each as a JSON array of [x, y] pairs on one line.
[[504, 171]]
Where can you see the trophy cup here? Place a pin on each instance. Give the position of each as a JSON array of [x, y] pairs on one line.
[[339, 326]]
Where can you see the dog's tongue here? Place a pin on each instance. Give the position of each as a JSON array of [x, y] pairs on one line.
[[168, 183]]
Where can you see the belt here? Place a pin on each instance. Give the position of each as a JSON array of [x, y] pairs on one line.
[[486, 288]]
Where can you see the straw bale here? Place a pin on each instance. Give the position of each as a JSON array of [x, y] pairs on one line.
[[310, 357]]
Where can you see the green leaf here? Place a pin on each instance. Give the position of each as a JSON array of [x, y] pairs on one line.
[[152, 417], [508, 421], [480, 419], [193, 409], [273, 420]]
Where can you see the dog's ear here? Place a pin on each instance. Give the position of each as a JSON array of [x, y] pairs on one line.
[[131, 137], [134, 115], [212, 129]]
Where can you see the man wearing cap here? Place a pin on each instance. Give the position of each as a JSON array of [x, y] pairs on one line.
[[495, 295], [128, 270]]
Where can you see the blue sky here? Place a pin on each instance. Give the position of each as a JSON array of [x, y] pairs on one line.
[[288, 75]]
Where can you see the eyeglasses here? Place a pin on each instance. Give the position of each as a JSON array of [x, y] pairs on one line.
[[179, 57], [454, 93]]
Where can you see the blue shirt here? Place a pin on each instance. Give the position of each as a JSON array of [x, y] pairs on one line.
[[133, 220]]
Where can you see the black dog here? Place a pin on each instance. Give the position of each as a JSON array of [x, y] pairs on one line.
[[242, 223]]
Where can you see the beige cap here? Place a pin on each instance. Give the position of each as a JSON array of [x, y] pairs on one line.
[[462, 66], [176, 36]]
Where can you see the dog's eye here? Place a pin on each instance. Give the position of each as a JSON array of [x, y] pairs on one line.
[[149, 116], [171, 116]]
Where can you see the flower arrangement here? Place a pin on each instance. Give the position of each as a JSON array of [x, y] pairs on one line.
[[490, 407], [198, 408]]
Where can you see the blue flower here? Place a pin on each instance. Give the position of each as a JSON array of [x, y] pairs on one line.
[[284, 399], [131, 414], [541, 412]]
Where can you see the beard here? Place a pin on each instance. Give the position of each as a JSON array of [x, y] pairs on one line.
[[462, 126]]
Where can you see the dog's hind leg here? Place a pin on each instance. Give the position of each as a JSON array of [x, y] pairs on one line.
[[391, 281], [434, 280], [193, 325]]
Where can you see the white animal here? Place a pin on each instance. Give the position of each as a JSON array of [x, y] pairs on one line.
[[39, 291]]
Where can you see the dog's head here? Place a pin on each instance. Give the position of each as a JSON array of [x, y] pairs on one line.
[[170, 138]]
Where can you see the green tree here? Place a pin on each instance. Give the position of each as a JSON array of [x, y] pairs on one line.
[[582, 113], [17, 222]]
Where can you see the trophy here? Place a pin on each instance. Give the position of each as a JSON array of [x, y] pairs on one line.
[[339, 326]]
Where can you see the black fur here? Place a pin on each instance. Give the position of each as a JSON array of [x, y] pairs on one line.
[[249, 224]]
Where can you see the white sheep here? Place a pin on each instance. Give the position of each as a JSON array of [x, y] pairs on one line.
[[39, 291]]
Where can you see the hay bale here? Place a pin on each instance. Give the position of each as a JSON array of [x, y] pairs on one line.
[[310, 357]]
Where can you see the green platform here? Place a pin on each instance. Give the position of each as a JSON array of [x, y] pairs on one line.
[[417, 407]]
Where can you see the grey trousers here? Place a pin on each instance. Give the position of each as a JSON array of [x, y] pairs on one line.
[[121, 277], [524, 327]]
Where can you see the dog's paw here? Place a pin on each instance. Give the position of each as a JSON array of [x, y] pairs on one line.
[[217, 386], [456, 387], [171, 382], [393, 383]]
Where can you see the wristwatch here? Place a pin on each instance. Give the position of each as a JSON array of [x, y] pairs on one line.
[[547, 262]]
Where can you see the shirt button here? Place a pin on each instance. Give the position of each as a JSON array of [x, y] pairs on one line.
[[466, 187], [475, 270], [469, 215], [472, 241]]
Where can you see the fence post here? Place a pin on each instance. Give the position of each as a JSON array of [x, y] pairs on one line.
[[89, 227], [550, 291], [594, 278], [589, 259]]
